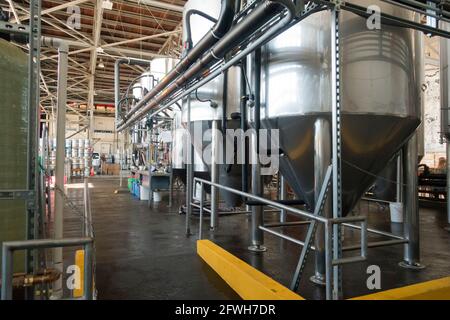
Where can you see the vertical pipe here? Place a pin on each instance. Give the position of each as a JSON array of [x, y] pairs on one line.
[[322, 159], [257, 235], [244, 144], [7, 273], [283, 196], [399, 191], [86, 208], [411, 206], [214, 174], [257, 218], [189, 169], [88, 272], [116, 109], [149, 163], [328, 261], [202, 197], [117, 89], [60, 160]]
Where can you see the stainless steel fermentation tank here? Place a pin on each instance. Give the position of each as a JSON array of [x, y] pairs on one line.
[[380, 77], [207, 106]]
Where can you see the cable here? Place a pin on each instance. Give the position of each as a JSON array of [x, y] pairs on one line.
[[372, 174]]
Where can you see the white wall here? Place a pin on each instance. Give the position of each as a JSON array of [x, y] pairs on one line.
[[432, 118], [103, 135]]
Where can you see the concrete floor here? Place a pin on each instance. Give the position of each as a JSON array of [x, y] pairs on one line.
[[143, 253]]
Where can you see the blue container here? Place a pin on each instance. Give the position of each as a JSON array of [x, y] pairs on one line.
[[136, 189]]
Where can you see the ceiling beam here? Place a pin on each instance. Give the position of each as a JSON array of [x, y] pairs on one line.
[[53, 9], [159, 4], [98, 12]]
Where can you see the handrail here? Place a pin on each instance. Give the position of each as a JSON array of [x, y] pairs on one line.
[[302, 213], [7, 260], [280, 206], [328, 226]]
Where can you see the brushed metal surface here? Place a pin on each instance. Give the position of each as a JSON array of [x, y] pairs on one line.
[[380, 97], [213, 90]]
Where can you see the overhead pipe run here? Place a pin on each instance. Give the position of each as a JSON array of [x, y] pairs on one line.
[[255, 20], [222, 26]]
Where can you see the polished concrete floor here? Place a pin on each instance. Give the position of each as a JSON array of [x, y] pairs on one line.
[[143, 253]]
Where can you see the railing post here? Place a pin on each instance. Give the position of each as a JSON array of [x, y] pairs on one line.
[[7, 273], [328, 260], [200, 231], [88, 269]]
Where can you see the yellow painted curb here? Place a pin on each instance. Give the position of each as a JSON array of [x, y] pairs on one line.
[[79, 261], [430, 290], [248, 282]]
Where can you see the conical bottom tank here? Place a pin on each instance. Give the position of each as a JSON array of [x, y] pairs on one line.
[[380, 97], [363, 151]]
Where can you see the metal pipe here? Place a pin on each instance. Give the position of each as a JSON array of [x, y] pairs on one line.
[[411, 205], [399, 187], [287, 224], [222, 26], [63, 50], [376, 244], [88, 270], [322, 160], [189, 170], [283, 236], [243, 109], [274, 204], [200, 227], [257, 217], [8, 249], [187, 21], [22, 280], [223, 213], [128, 61], [283, 196], [258, 18], [215, 154], [7, 273], [374, 231], [281, 26], [328, 260]]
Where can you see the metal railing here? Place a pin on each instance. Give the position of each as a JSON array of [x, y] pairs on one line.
[[314, 218], [8, 252]]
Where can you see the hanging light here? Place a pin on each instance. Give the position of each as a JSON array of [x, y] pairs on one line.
[[101, 65]]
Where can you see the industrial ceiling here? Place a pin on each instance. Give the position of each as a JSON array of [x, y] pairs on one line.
[[100, 31]]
